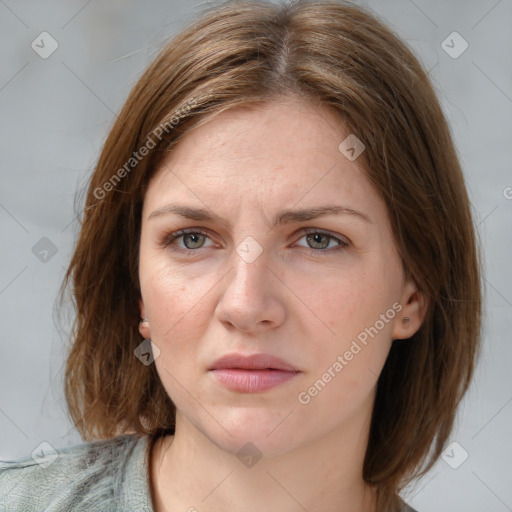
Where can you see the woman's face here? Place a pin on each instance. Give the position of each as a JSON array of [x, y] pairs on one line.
[[322, 291]]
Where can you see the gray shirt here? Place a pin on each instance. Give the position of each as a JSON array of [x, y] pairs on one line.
[[99, 476]]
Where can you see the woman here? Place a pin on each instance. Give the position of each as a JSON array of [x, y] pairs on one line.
[[275, 279]]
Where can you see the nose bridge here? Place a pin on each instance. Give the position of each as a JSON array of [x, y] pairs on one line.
[[250, 267], [252, 255], [250, 298]]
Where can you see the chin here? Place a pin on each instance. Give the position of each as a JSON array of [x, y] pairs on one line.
[[251, 432], [250, 444]]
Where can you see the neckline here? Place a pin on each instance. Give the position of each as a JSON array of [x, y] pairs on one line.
[[148, 464], [135, 488]]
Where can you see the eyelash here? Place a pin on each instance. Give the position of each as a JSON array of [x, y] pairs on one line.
[[173, 237]]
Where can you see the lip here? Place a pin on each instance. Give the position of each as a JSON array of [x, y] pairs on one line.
[[252, 362], [252, 374]]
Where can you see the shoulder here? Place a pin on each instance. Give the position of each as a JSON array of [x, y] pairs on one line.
[[81, 477]]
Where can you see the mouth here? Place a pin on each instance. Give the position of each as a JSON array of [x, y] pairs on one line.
[[252, 374], [252, 362]]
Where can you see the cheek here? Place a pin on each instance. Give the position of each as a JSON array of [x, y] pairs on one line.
[[178, 316], [172, 290], [357, 323], [340, 305], [171, 299]]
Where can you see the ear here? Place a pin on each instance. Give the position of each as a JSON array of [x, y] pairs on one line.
[[144, 326], [414, 307]]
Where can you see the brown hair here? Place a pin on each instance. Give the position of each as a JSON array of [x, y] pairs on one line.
[[332, 54]]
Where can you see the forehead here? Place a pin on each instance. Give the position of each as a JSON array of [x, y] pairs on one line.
[[279, 152], [291, 128]]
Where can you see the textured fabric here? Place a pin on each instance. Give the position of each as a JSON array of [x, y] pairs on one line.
[[99, 476]]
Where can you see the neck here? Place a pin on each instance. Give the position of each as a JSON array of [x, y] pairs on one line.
[[190, 472]]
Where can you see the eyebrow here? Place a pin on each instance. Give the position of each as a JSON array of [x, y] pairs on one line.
[[283, 217]]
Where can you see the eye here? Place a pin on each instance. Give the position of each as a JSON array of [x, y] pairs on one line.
[[319, 241], [192, 239]]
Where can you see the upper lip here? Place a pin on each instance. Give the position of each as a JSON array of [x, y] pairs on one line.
[[252, 362]]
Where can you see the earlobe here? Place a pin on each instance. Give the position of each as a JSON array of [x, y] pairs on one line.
[[412, 314]]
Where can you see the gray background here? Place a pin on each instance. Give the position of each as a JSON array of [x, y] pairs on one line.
[[55, 114]]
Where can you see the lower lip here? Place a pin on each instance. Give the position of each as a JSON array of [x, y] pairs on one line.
[[252, 381]]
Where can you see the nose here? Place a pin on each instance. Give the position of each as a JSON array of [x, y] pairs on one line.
[[252, 300]]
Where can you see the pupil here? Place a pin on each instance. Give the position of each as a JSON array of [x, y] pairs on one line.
[[193, 237], [317, 237]]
